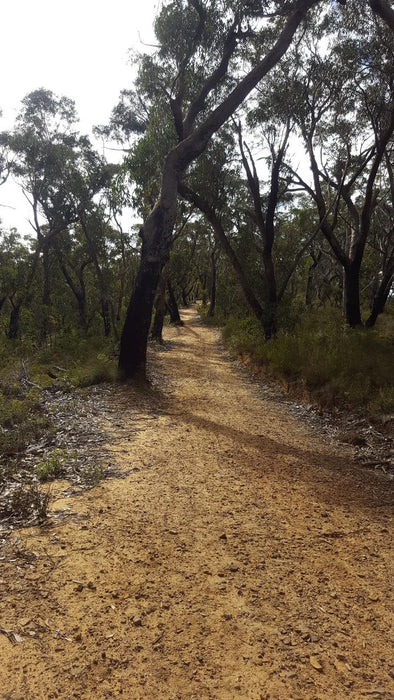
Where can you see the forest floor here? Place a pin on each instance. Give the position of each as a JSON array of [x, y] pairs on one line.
[[236, 552]]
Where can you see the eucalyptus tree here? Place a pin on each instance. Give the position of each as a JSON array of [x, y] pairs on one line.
[[381, 247], [272, 119], [43, 144], [5, 160], [196, 69], [59, 172], [216, 189], [15, 284], [244, 213], [346, 118], [185, 262]]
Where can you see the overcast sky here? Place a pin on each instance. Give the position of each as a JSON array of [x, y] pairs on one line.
[[78, 49]]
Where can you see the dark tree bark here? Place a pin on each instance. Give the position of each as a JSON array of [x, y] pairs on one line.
[[309, 282], [157, 230], [381, 296], [160, 305], [212, 296], [46, 293], [13, 328], [265, 222], [19, 297], [105, 301], [154, 254], [106, 314], [351, 296], [78, 289], [175, 317], [185, 300]]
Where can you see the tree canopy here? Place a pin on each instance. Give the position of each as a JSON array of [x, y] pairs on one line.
[[258, 162]]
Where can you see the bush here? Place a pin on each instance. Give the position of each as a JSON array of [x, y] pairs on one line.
[[95, 371], [336, 364], [52, 467], [244, 336]]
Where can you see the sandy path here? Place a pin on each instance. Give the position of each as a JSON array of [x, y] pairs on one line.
[[238, 557]]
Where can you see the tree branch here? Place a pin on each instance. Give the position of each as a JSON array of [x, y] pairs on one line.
[[195, 144]]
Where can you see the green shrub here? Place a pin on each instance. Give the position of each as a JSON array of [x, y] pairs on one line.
[[21, 418], [244, 336], [52, 467], [336, 364], [96, 371]]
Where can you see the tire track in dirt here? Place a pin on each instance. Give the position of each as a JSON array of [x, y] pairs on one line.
[[239, 557]]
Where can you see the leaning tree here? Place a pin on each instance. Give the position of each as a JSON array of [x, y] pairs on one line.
[[202, 72], [197, 67]]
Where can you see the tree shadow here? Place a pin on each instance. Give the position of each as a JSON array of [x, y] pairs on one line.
[[335, 479]]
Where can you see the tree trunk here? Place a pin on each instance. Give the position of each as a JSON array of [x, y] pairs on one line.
[[156, 241], [46, 294], [13, 328], [173, 306], [79, 292], [185, 301], [106, 315], [271, 299], [81, 301], [212, 302], [120, 295], [309, 282], [226, 247], [380, 298], [352, 295], [160, 305]]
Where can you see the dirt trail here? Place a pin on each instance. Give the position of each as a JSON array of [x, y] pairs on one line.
[[238, 556]]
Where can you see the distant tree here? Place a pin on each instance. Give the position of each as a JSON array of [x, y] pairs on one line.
[[5, 159], [59, 173], [346, 117], [18, 267]]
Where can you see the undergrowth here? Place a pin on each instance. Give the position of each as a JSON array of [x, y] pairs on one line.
[[25, 371], [333, 364]]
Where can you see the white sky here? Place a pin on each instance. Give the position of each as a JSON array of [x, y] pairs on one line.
[[77, 49]]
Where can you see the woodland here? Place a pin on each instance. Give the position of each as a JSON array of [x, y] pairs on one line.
[[257, 157]]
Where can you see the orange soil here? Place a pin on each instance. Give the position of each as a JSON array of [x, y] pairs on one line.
[[238, 556]]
